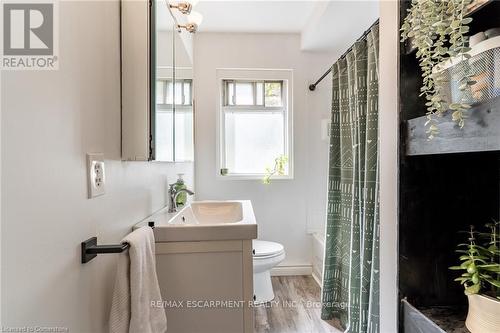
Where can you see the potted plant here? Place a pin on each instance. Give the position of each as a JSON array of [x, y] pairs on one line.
[[480, 261]]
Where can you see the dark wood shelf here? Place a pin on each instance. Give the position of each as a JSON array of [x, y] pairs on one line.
[[438, 319], [473, 8], [480, 133]]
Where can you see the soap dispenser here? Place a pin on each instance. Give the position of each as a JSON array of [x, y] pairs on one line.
[[179, 185]]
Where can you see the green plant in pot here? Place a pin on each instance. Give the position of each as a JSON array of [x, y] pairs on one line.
[[438, 29], [480, 263]]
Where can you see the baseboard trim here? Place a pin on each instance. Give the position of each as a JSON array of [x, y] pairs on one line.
[[291, 270], [317, 279]]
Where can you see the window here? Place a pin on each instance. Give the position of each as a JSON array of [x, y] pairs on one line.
[[174, 145], [260, 94], [254, 127], [165, 93]]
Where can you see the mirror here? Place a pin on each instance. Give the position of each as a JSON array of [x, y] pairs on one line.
[[174, 92], [157, 81]]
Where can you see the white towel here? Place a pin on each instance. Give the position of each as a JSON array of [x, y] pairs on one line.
[[136, 288]]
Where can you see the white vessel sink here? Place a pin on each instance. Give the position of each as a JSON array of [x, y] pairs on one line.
[[205, 220]]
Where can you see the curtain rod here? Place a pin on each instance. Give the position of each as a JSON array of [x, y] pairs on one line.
[[312, 87]]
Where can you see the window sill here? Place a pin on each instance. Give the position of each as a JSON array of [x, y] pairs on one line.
[[259, 177]]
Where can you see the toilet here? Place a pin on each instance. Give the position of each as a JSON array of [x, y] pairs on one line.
[[266, 255]]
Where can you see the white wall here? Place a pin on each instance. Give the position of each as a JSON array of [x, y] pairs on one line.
[[337, 24], [1, 220], [318, 104], [388, 129], [282, 207], [50, 119]]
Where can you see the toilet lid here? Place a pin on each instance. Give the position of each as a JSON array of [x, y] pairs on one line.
[[265, 248]]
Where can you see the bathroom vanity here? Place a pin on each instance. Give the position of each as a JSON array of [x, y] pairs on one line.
[[204, 266]]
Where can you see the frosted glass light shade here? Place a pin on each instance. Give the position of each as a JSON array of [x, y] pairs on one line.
[[195, 18]]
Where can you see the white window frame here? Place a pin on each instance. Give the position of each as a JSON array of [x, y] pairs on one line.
[[169, 107], [268, 75], [181, 108], [254, 106]]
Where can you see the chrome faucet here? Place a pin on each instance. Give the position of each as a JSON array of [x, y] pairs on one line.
[[173, 194]]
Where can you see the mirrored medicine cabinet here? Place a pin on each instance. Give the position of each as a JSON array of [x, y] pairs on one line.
[[156, 84]]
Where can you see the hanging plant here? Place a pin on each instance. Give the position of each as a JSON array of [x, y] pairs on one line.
[[438, 30]]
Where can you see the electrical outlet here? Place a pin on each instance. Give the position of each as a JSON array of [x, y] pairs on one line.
[[96, 178]]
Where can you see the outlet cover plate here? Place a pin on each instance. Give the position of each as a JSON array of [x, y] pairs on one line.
[[96, 176]]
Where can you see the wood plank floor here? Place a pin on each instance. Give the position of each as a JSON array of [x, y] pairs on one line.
[[295, 308]]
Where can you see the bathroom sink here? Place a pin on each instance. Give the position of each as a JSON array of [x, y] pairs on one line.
[[210, 213], [206, 220]]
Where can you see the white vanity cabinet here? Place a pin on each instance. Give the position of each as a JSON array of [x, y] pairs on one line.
[[206, 286]]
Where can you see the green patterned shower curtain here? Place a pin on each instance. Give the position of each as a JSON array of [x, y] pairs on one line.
[[351, 271]]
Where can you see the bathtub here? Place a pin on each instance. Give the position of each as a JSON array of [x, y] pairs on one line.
[[318, 253]]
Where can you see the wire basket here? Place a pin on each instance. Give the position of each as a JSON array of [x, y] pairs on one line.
[[483, 67]]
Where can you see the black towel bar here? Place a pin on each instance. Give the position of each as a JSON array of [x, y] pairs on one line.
[[90, 249]]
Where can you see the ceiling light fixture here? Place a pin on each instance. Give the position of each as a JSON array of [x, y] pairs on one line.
[[190, 27], [194, 21], [184, 7]]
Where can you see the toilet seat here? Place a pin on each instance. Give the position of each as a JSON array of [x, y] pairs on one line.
[[265, 250]]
